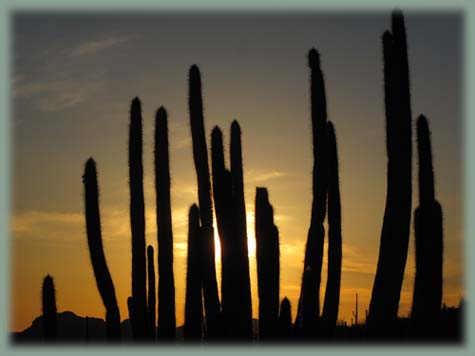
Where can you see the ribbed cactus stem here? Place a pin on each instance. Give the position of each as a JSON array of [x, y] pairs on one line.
[[428, 226], [285, 320], [137, 222], [193, 301], [332, 291], [426, 173], [222, 192], [268, 268], [200, 157], [240, 230], [152, 300], [166, 284], [316, 232], [383, 310], [50, 331], [96, 251]]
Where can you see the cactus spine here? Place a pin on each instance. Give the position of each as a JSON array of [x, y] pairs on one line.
[[193, 301], [332, 291], [151, 293], [50, 332], [166, 284], [268, 268], [383, 310], [137, 223], [308, 310], [96, 251], [427, 297], [200, 157]]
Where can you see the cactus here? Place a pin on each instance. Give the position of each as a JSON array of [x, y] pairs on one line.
[[267, 255], [151, 293], [383, 310], [166, 284], [285, 320], [228, 189], [332, 291], [316, 232], [427, 297], [200, 157], [96, 251], [240, 230], [222, 192], [193, 301], [137, 223], [50, 332]]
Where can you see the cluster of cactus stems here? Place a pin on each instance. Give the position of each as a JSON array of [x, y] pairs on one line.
[[268, 267], [206, 317], [166, 284], [228, 195], [200, 158], [383, 309], [50, 328], [427, 297], [96, 251]]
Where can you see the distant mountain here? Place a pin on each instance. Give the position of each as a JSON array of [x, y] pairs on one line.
[[73, 328]]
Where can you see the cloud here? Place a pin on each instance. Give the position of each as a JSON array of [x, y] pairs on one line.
[[253, 176], [56, 94], [97, 45]]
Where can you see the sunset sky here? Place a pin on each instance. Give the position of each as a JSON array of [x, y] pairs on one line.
[[75, 74]]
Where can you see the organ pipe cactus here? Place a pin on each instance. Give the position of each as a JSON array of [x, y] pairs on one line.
[[200, 157], [308, 310], [193, 301], [383, 310], [96, 252], [268, 268], [332, 291], [137, 223], [427, 297], [166, 284], [50, 331]]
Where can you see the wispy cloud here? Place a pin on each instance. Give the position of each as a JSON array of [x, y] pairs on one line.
[[101, 44], [56, 94], [262, 176]]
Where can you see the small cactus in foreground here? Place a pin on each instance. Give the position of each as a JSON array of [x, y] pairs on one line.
[[50, 330]]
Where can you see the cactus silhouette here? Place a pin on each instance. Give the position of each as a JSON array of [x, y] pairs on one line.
[[50, 332], [193, 301], [166, 284], [308, 310], [268, 268], [427, 297], [222, 191], [200, 157], [137, 223], [383, 310], [285, 320], [96, 251], [332, 291], [231, 218], [151, 292]]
